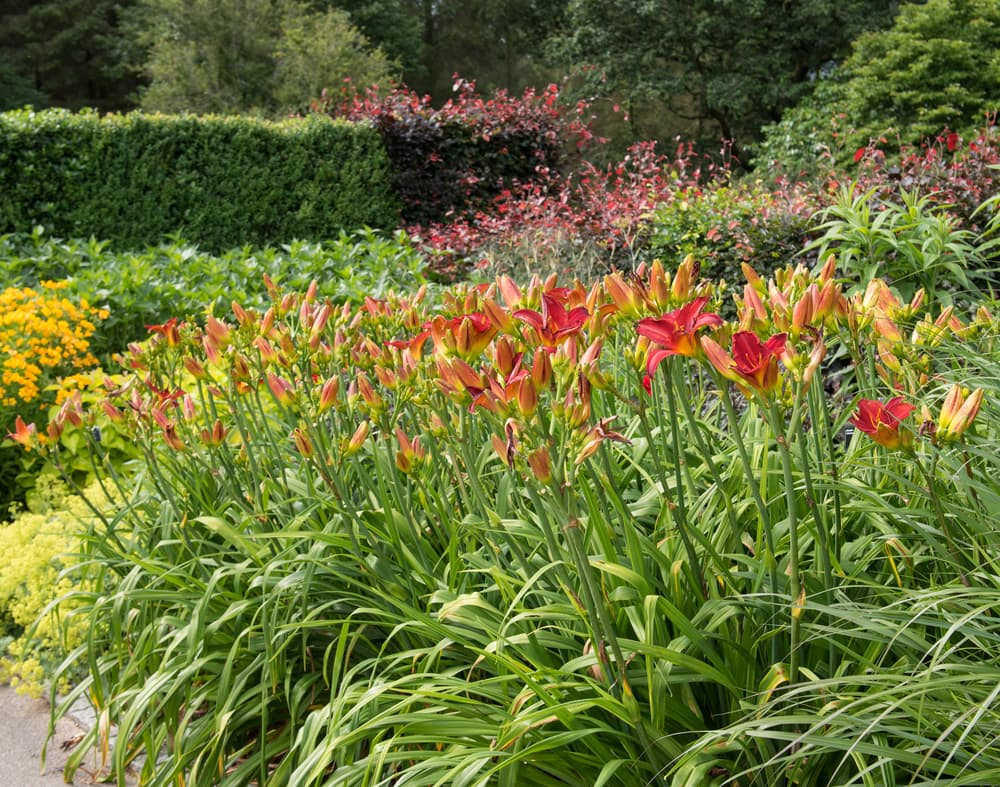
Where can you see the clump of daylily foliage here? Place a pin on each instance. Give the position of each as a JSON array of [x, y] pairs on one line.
[[553, 535]]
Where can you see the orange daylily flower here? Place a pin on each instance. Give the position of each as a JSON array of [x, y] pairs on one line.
[[168, 330], [25, 434]]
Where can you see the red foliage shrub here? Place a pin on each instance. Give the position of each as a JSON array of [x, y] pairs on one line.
[[953, 172], [596, 216], [454, 159]]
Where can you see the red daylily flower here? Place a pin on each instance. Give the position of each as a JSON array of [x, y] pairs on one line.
[[881, 421], [757, 361], [555, 323], [675, 331], [753, 363]]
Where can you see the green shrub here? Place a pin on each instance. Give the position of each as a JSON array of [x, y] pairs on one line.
[[911, 243], [725, 227], [220, 182], [937, 67]]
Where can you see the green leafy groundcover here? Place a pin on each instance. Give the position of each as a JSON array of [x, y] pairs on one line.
[[177, 279], [550, 535], [218, 181]]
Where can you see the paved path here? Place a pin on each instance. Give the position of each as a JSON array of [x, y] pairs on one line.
[[24, 726]]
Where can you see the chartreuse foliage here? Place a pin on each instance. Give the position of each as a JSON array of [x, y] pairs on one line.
[[220, 182], [39, 545], [553, 536]]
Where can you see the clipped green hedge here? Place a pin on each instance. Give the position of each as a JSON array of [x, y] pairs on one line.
[[220, 182]]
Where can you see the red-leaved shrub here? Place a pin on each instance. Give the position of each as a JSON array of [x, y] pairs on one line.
[[453, 160]]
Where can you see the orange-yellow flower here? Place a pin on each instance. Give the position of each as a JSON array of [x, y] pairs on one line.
[[25, 434]]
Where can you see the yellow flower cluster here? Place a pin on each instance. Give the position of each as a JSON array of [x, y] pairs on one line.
[[41, 335]]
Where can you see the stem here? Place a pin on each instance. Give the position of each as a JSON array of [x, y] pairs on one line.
[[797, 593], [712, 469], [697, 575], [928, 475], [762, 510]]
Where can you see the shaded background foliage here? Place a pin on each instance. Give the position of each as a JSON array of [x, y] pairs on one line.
[[705, 70]]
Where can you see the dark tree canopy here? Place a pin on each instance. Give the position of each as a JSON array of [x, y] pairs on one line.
[[937, 67], [724, 66], [70, 51]]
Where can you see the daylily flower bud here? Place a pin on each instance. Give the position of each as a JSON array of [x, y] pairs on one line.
[[753, 306], [815, 359], [829, 268], [281, 389], [659, 285], [195, 368], [357, 439], [267, 323], [958, 412], [322, 317], [683, 277], [527, 397], [240, 313], [328, 393], [211, 349], [111, 411], [267, 352], [505, 356], [217, 331], [171, 437], [510, 291], [541, 369], [803, 311], [302, 442], [541, 464]]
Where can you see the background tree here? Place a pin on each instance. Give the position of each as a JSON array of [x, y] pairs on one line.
[[265, 56], [722, 68], [497, 43], [16, 90], [67, 52], [319, 50], [938, 67], [394, 26]]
